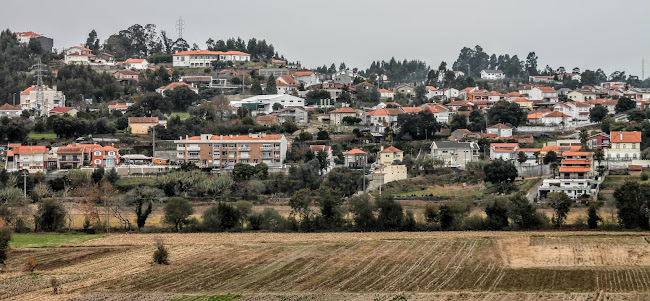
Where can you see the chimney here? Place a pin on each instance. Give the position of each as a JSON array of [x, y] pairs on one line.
[[620, 135]]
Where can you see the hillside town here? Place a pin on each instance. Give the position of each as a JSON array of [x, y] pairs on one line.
[[344, 150], [359, 119]]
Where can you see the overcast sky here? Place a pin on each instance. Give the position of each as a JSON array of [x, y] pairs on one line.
[[613, 35]]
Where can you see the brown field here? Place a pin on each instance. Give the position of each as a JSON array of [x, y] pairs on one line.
[[342, 266]]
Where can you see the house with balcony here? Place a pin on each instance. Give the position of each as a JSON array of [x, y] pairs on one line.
[[106, 156], [224, 151], [454, 153], [293, 114], [600, 140], [356, 159], [504, 151], [69, 157], [31, 158], [576, 177]]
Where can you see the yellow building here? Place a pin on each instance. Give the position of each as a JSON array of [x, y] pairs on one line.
[[141, 125], [625, 146], [388, 155], [393, 173]]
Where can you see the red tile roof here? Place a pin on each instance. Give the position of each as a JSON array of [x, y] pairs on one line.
[[574, 169], [386, 112], [143, 119], [355, 151], [391, 149], [30, 149], [343, 110], [61, 109], [302, 73], [499, 126], [625, 137], [134, 61], [175, 85], [8, 107]]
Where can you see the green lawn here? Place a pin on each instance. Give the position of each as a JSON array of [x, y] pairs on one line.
[[48, 240], [183, 115], [127, 183], [39, 136]]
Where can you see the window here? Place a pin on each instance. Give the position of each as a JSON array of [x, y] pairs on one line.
[[98, 154], [633, 145], [97, 161], [111, 153]]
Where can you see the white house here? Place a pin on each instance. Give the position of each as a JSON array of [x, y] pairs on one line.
[[488, 74], [501, 130], [137, 64], [7, 110], [554, 118], [162, 90], [610, 104], [204, 58], [264, 103], [78, 55], [577, 111], [432, 92], [547, 94], [386, 94], [307, 78], [285, 84], [504, 151], [383, 118]]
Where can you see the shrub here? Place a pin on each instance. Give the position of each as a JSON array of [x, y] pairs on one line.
[[5, 237], [177, 210], [221, 217], [644, 176], [30, 265], [474, 222], [161, 255], [50, 216]]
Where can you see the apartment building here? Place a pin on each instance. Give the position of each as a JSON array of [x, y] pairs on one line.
[[30, 158], [576, 176], [455, 154], [224, 151], [51, 99], [105, 156]]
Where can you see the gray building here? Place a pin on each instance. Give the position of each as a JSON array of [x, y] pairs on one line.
[[453, 153]]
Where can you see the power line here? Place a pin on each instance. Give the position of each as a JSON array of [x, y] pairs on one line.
[[41, 107], [180, 26]]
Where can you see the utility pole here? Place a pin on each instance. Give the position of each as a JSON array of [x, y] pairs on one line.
[[14, 99], [154, 142], [642, 69], [25, 175]]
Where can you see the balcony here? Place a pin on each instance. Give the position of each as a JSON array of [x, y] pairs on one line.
[[180, 148], [193, 148], [194, 157], [244, 148], [244, 156]]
